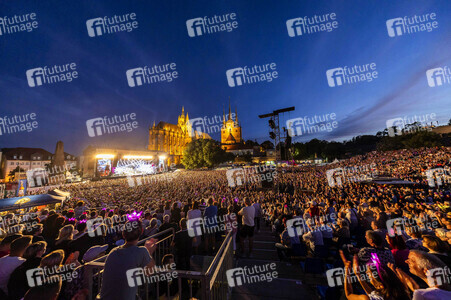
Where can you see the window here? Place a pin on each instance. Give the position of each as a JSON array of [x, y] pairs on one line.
[[27, 163], [12, 163], [15, 156], [20, 157], [39, 157]]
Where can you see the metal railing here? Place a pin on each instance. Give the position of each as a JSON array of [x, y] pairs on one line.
[[208, 285]]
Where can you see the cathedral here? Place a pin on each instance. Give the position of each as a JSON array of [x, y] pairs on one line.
[[231, 138], [173, 138]]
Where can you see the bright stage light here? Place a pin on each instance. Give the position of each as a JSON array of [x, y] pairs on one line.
[[162, 157], [104, 156], [137, 157]]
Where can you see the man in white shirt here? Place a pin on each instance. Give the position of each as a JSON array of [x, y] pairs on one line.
[[10, 262], [248, 213]]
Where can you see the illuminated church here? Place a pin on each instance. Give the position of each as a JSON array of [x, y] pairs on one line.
[[231, 137], [173, 138]]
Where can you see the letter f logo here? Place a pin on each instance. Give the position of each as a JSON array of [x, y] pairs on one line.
[[35, 77], [235, 77], [95, 27], [95, 126], [294, 27], [195, 27], [135, 77], [135, 277], [395, 27], [235, 277], [35, 277], [334, 277], [435, 77]]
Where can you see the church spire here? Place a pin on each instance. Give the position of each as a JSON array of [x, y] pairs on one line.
[[236, 116], [183, 110], [223, 115]]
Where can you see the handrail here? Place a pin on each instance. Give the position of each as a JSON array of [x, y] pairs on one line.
[[139, 243], [219, 254]]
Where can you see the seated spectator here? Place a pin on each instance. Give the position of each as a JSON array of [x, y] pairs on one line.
[[376, 246], [438, 248], [383, 282], [415, 242], [18, 284], [313, 237], [420, 263], [10, 262], [285, 247], [399, 251]]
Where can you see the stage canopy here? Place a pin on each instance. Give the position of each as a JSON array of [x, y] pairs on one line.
[[54, 196]]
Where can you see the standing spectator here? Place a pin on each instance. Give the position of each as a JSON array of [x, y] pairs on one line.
[[232, 225], [247, 231], [211, 212], [126, 257], [5, 244], [258, 213], [18, 284], [195, 213], [80, 209], [65, 236], [10, 262], [175, 213], [183, 246]]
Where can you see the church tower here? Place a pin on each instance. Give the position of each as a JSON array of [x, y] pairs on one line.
[[230, 131]]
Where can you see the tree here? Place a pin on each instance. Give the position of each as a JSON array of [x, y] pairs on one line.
[[267, 145], [201, 153], [12, 173]]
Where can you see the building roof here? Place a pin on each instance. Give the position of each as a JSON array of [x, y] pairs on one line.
[[442, 129], [26, 153]]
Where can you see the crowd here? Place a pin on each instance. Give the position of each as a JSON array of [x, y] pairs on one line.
[[345, 226]]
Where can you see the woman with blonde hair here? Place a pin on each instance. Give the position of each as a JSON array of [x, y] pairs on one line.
[[65, 236]]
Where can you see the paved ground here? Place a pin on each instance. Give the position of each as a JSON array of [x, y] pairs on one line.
[[291, 280]]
